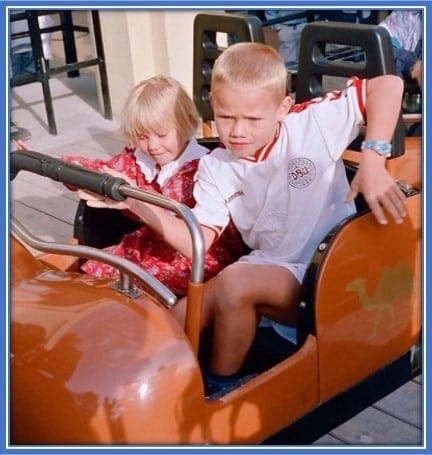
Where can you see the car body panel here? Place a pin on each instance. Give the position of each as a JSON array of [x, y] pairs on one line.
[[368, 298], [93, 366], [98, 357]]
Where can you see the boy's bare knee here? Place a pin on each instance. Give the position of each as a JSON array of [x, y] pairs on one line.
[[232, 288]]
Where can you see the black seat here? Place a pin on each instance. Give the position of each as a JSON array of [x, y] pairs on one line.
[[90, 226], [314, 63], [238, 28]]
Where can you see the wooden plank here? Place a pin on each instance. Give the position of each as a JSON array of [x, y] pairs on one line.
[[44, 201], [42, 225], [33, 184], [405, 404], [375, 427], [102, 145]]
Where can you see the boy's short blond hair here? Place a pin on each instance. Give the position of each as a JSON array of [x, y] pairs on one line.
[[251, 65], [155, 104]]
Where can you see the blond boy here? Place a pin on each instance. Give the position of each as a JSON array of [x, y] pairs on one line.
[[281, 180]]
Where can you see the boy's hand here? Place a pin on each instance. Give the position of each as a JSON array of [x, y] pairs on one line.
[[378, 188]]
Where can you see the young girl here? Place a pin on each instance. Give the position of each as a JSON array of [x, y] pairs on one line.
[[159, 121]]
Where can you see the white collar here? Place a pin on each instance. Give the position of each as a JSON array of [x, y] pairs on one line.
[[148, 167]]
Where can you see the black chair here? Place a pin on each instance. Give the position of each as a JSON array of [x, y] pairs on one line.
[[238, 28], [90, 226], [43, 71], [314, 62]]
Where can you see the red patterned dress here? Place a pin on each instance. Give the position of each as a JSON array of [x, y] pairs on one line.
[[144, 246]]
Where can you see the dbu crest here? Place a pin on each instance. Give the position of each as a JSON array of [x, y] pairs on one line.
[[301, 172]]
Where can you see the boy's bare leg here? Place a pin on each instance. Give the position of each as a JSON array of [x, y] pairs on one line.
[[242, 293], [179, 310], [235, 299]]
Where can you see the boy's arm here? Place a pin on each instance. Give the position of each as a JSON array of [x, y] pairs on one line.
[[172, 229], [383, 103]]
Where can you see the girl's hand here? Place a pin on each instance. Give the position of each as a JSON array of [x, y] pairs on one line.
[[99, 201], [21, 145]]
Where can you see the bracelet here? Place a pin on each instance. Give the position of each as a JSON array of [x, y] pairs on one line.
[[383, 148]]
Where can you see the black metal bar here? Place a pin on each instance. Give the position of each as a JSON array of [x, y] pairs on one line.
[[18, 16], [101, 64], [19, 80], [52, 29], [67, 173], [73, 66], [41, 68], [69, 40]]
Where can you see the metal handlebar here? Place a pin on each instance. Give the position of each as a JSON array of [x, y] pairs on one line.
[[114, 188]]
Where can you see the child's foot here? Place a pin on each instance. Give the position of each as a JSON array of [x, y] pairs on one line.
[[217, 386]]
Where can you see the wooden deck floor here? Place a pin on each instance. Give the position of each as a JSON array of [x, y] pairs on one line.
[[49, 209], [394, 420]]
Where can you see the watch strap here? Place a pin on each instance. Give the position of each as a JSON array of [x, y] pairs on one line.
[[383, 148]]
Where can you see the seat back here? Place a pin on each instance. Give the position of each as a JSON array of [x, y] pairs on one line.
[[314, 63], [90, 226], [238, 28]]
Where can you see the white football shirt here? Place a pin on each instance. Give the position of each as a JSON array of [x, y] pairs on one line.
[[285, 198]]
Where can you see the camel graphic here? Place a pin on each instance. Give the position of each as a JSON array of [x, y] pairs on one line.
[[394, 284]]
